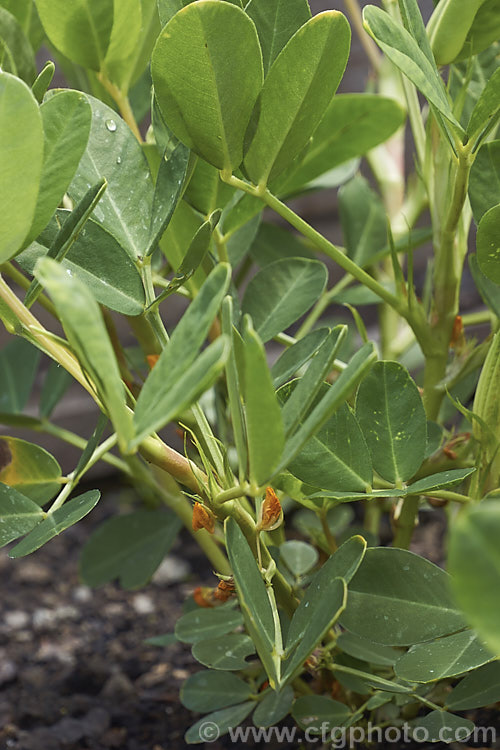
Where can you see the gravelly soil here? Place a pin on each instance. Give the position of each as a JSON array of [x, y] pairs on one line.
[[75, 671]]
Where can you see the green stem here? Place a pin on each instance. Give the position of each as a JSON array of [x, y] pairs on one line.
[[73, 439], [317, 239], [123, 104], [10, 270], [405, 523]]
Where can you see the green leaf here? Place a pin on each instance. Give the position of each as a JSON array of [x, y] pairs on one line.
[[55, 385], [363, 219], [93, 33], [336, 456], [298, 556], [233, 387], [265, 431], [489, 291], [352, 125], [97, 260], [326, 603], [18, 366], [301, 394], [488, 244], [113, 152], [18, 514], [169, 8], [273, 707], [372, 680], [56, 522], [296, 94], [398, 598], [438, 481], [68, 232], [365, 650], [206, 191], [487, 109], [21, 154], [210, 118], [83, 323], [168, 190], [208, 691], [253, 598], [276, 22], [66, 120], [322, 604], [16, 54], [168, 639], [317, 713], [297, 355], [272, 243], [446, 657], [218, 723], [29, 469], [485, 29], [334, 398], [282, 292], [128, 547], [227, 652], [43, 81], [474, 563], [441, 726], [203, 624], [413, 23], [392, 418], [405, 53], [477, 689], [167, 390], [484, 181]]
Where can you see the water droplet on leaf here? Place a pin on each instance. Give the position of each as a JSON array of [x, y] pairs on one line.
[[111, 125]]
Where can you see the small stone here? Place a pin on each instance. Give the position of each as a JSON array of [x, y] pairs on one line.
[[43, 618], [155, 676], [8, 671], [82, 594], [68, 730], [31, 572], [114, 737], [117, 686], [96, 722], [171, 570], [143, 604], [180, 674], [16, 620]]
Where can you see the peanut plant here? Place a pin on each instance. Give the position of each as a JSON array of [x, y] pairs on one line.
[[308, 614]]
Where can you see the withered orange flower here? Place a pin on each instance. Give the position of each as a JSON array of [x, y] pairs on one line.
[[224, 591], [203, 596], [202, 519], [271, 513], [152, 359]]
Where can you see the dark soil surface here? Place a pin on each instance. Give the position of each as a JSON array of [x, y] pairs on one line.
[[75, 671]]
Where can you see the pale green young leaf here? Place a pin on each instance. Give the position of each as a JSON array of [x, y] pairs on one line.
[[16, 53], [113, 152], [392, 418], [84, 325], [209, 690], [282, 292], [296, 94], [276, 22], [488, 244], [398, 598], [413, 23], [443, 658], [56, 522], [405, 53], [30, 469], [124, 39], [168, 8], [43, 81], [21, 155], [66, 120], [265, 431], [128, 547], [18, 366], [485, 30], [484, 182], [22, 10], [18, 514], [352, 125], [474, 563], [196, 45]]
